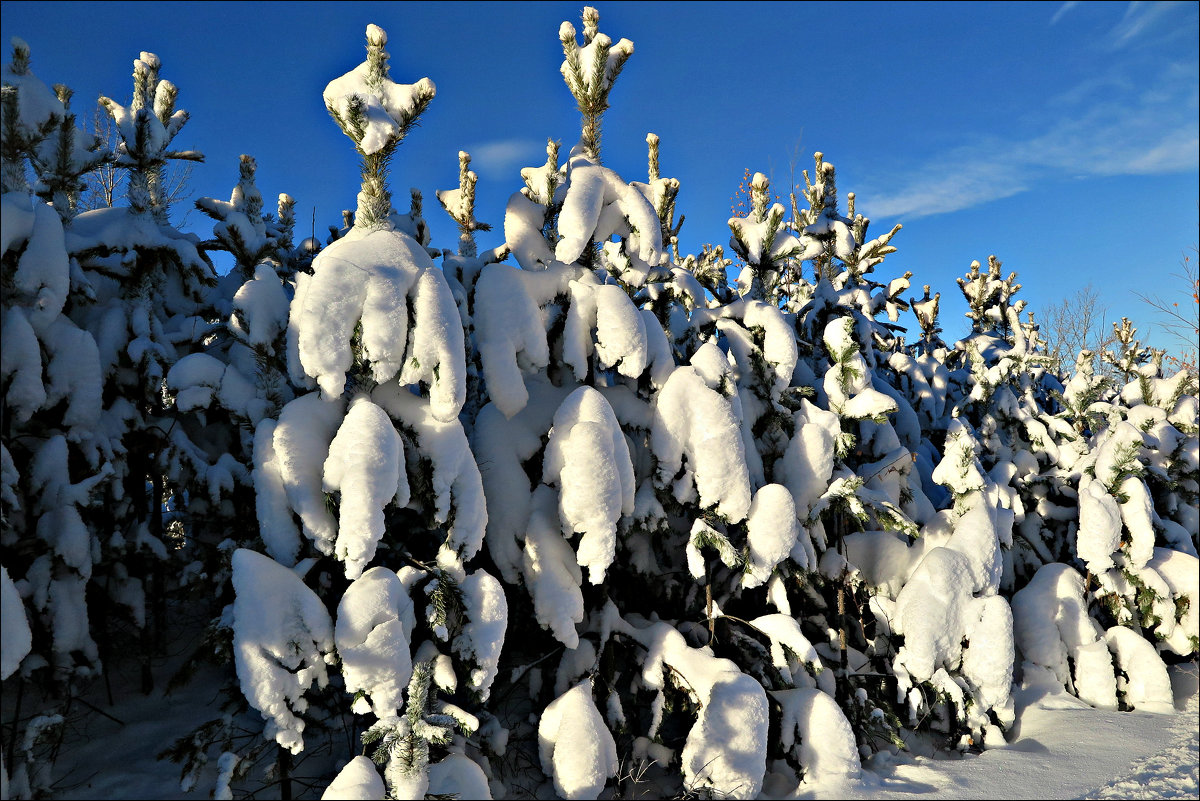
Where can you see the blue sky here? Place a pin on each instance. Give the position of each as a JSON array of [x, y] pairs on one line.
[[1061, 137]]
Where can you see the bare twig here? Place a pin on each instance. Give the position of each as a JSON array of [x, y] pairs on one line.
[[1181, 319]]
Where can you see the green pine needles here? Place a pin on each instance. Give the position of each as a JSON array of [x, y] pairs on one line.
[[376, 114], [590, 72]]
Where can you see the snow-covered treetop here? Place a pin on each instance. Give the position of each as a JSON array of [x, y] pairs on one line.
[[246, 197], [988, 296], [376, 113], [240, 226], [39, 104], [542, 182], [926, 309], [64, 158], [29, 109], [146, 128], [761, 239], [662, 193], [825, 234], [460, 205], [370, 108], [590, 72], [1130, 353]]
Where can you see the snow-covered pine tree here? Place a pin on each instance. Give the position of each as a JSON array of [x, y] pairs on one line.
[[150, 284], [586, 397], [1129, 354], [570, 366], [1003, 390], [705, 522], [369, 470], [241, 376], [1137, 509], [1070, 479], [117, 299], [222, 394], [51, 457], [461, 268], [869, 516]]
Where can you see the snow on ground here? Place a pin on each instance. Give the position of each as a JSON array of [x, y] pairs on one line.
[[1173, 772], [114, 757], [1061, 748]]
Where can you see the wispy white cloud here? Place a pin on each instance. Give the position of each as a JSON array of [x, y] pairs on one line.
[[503, 157], [959, 181], [1140, 18], [1092, 130], [1175, 153], [1063, 9]]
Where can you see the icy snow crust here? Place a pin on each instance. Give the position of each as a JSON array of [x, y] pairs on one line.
[[482, 637], [16, 640], [365, 462], [599, 205], [726, 747], [511, 336], [300, 441], [696, 430], [458, 498], [358, 781]]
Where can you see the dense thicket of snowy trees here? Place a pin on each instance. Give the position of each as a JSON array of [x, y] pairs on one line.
[[579, 502]]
